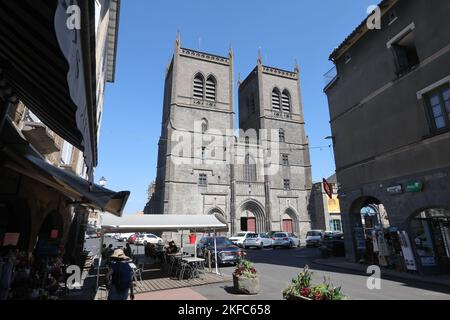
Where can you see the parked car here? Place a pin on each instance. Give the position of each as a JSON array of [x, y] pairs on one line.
[[91, 235], [257, 240], [123, 237], [239, 238], [145, 238], [132, 238], [285, 239], [313, 238], [227, 252], [332, 244]]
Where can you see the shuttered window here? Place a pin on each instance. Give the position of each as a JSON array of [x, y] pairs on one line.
[[198, 87], [211, 89], [286, 101], [276, 103]]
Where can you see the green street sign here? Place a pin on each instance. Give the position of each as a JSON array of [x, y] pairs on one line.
[[414, 186]]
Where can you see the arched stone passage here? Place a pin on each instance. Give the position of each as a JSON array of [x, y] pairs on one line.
[[366, 215], [50, 234], [252, 217]]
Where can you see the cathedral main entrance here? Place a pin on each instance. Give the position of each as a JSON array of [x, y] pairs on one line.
[[252, 217]]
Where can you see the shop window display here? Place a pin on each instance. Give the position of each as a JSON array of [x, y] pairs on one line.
[[431, 236]]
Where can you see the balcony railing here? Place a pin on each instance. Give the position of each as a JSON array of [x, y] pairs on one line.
[[330, 76]]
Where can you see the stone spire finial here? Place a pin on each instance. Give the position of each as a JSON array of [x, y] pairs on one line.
[[239, 79], [296, 68], [178, 40], [259, 56]]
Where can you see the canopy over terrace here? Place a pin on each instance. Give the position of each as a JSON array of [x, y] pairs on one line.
[[163, 223]]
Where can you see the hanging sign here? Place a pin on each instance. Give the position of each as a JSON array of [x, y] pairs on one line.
[[11, 239], [328, 188]]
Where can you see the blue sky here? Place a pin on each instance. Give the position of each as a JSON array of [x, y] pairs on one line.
[[285, 30]]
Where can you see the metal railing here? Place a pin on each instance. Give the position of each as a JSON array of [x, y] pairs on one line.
[[330, 76]]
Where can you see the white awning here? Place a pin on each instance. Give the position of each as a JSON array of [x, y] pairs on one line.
[[163, 223]]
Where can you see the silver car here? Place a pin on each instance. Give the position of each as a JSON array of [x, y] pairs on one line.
[[257, 240], [285, 239]]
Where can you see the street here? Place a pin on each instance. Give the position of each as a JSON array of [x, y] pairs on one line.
[[277, 267]]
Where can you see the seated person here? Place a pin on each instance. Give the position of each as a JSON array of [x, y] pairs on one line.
[[172, 247]]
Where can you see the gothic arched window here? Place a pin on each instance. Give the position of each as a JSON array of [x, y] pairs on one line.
[[211, 88], [199, 83], [249, 169], [276, 101], [286, 101]]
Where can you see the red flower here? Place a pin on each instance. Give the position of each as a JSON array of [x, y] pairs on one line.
[[305, 292], [317, 296]]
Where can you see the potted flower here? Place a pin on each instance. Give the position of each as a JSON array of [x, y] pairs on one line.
[[301, 289], [245, 278]]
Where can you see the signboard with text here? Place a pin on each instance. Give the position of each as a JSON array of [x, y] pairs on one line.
[[11, 239], [414, 186]]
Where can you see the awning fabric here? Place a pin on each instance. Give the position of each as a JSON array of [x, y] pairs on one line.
[[35, 67], [19, 156], [163, 223]]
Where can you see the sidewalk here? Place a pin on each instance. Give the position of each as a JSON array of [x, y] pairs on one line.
[[341, 263], [177, 294]]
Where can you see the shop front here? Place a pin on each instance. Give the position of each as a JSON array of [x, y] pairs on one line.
[[430, 232]]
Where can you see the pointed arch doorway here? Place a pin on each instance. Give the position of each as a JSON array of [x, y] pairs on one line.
[[252, 217]]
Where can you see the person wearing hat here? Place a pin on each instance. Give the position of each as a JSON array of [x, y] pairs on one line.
[[121, 276]]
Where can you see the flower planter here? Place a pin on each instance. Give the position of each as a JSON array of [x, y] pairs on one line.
[[298, 298], [245, 285]]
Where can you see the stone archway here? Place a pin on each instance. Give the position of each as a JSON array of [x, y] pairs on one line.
[[252, 217], [290, 221], [50, 234], [366, 215]]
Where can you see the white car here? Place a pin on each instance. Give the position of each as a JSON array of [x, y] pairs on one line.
[[313, 238], [239, 238], [257, 240], [145, 238], [285, 239]]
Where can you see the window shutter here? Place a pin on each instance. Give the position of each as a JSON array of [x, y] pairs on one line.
[[276, 100], [198, 87], [286, 100], [211, 89]]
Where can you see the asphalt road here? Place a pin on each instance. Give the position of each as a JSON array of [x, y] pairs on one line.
[[277, 267]]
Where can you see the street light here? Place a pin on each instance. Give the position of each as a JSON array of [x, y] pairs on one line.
[[102, 181]]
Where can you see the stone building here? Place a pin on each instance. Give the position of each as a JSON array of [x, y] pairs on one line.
[[390, 118], [216, 172], [325, 210]]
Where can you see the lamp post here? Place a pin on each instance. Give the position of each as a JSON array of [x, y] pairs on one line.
[[102, 182]]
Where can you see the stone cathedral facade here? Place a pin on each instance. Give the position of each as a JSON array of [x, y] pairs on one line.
[[257, 178]]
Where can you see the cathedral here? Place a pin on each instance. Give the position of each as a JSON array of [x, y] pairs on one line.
[[256, 177]]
